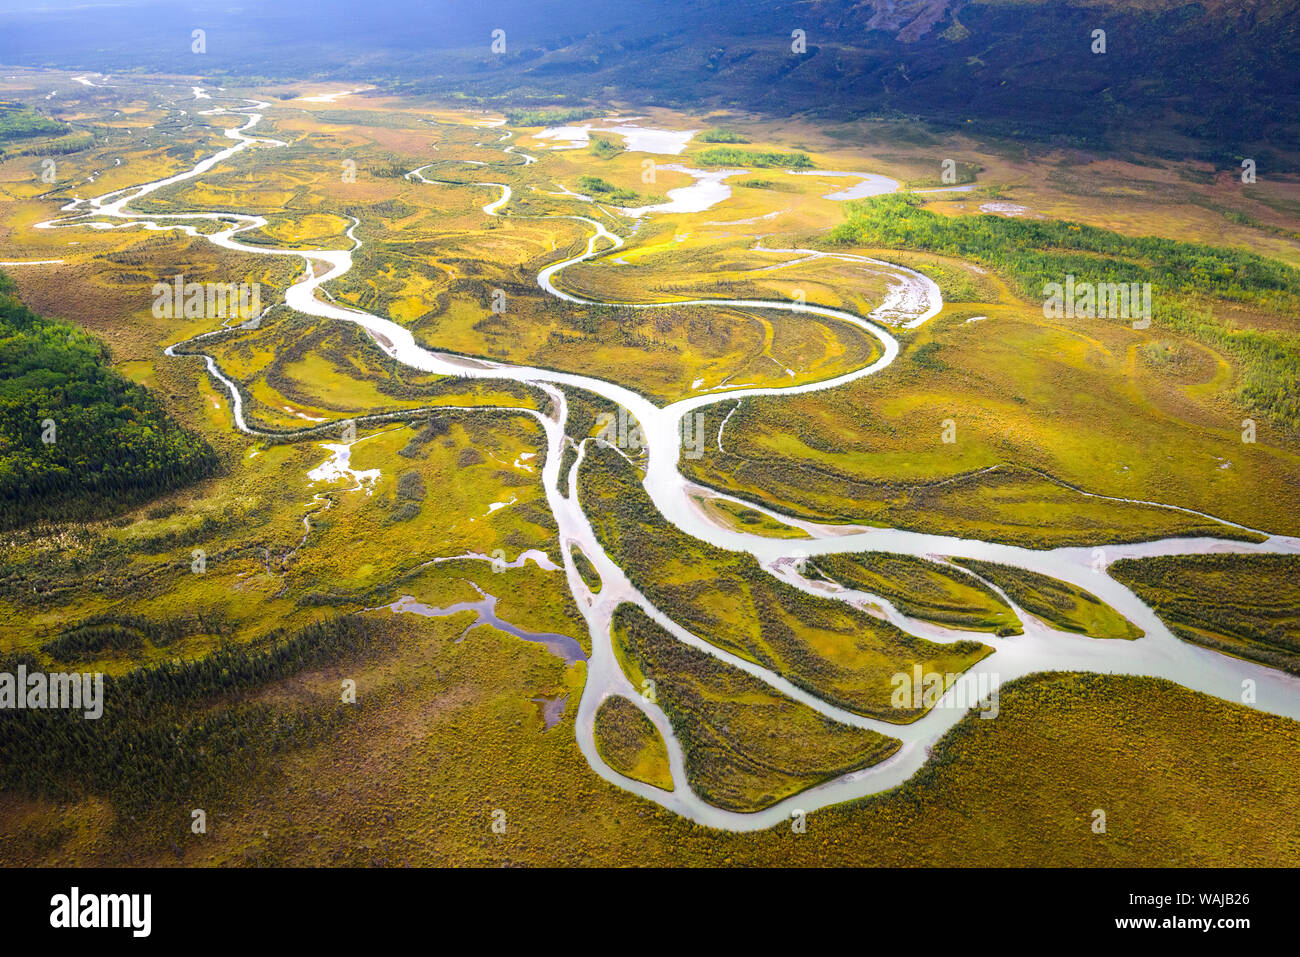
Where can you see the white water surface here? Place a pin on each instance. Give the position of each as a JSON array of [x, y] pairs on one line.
[[1158, 653]]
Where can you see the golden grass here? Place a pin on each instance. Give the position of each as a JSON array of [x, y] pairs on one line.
[[631, 744], [448, 731]]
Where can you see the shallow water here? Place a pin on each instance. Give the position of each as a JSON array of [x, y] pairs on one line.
[[550, 709], [872, 184], [636, 139], [1158, 653], [562, 646], [709, 189]]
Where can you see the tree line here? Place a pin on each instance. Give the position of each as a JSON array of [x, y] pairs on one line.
[[77, 439]]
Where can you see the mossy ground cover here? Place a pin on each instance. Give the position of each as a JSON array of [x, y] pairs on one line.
[[1058, 603], [842, 655], [1035, 253], [296, 373], [587, 570], [1245, 605], [745, 519], [727, 722], [1001, 430], [448, 730], [631, 744], [280, 549], [922, 589], [714, 262], [447, 733]]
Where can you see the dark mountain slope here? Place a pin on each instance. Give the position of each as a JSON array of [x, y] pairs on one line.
[[1215, 79]]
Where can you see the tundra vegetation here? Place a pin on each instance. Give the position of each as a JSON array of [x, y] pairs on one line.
[[1058, 603], [1066, 433], [630, 743], [1245, 605], [725, 718], [840, 654], [923, 589], [1033, 254], [77, 439]]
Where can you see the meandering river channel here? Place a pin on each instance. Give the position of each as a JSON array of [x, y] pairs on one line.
[[1040, 648]]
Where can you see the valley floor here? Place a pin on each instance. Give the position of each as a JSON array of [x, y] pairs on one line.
[[842, 552]]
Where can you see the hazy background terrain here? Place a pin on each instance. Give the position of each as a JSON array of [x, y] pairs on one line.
[[1214, 80]]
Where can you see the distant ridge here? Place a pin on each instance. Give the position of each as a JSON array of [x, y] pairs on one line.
[[1214, 80]]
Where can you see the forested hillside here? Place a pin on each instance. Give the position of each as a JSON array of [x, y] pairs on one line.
[[77, 440], [1209, 78]]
